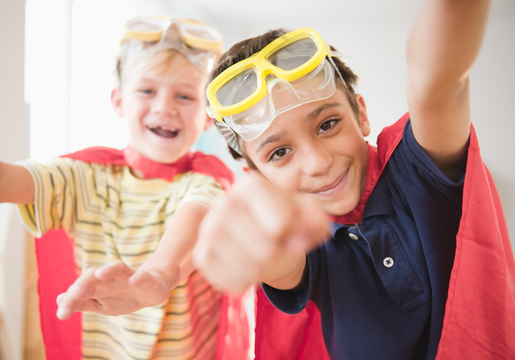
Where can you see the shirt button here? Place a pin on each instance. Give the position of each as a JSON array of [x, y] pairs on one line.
[[353, 236], [388, 262]]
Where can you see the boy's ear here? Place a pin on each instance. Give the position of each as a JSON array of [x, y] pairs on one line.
[[364, 122], [208, 123], [116, 101]]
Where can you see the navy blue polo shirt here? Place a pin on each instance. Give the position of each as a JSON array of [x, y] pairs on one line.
[[381, 286]]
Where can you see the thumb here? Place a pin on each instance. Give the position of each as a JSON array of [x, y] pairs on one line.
[[60, 298], [141, 279]]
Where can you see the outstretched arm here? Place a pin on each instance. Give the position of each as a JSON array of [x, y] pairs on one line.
[[16, 184], [443, 45], [259, 234], [115, 289]]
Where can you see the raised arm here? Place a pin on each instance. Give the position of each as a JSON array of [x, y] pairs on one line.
[[442, 47], [116, 289], [172, 258], [16, 184]]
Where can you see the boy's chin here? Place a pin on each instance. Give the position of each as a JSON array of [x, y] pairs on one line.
[[163, 157], [341, 207]]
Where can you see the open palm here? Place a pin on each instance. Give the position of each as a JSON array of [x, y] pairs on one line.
[[113, 289]]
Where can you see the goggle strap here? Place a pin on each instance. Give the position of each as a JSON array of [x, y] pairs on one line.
[[338, 54], [338, 71], [229, 136]]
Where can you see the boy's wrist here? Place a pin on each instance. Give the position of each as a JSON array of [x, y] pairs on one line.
[[168, 275], [293, 278]]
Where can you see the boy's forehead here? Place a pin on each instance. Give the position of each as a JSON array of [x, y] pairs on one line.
[[301, 115], [166, 63], [312, 110]]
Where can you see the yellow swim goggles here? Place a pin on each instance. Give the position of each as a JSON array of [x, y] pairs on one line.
[[199, 42], [290, 71]]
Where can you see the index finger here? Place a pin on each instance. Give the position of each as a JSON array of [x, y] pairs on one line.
[[83, 288]]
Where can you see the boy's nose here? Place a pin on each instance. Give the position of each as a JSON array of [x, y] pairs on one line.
[[163, 108], [316, 160]]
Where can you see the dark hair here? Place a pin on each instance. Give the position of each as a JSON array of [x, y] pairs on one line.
[[246, 48]]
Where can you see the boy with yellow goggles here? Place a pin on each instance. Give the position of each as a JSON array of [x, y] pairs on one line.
[[294, 69], [397, 276]]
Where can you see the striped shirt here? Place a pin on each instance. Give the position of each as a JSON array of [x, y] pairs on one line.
[[111, 215]]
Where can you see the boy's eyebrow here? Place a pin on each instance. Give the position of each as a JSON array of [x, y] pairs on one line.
[[184, 84], [314, 114], [146, 79], [270, 139]]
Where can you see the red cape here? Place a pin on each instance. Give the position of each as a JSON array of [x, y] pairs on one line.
[[57, 271], [479, 320]]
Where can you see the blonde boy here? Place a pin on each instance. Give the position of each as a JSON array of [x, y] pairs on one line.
[[116, 205]]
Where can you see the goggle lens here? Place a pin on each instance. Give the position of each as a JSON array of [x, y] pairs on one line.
[[238, 88], [144, 25], [200, 32], [294, 55]]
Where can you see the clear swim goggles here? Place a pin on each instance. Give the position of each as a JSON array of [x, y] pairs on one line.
[[293, 70], [199, 42]]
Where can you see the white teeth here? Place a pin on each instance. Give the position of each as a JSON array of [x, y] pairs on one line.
[[151, 127], [323, 192]]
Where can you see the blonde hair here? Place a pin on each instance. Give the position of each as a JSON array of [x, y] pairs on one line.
[[134, 52]]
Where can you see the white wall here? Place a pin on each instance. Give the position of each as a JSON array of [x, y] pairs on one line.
[[14, 145]]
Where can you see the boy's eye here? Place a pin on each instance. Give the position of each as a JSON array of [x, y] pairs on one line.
[[327, 125], [279, 153], [184, 97], [147, 91]]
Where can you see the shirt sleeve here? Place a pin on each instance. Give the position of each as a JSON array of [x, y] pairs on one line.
[[416, 155], [54, 196], [293, 302]]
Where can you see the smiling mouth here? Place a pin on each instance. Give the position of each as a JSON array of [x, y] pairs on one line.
[[163, 131], [334, 187]]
